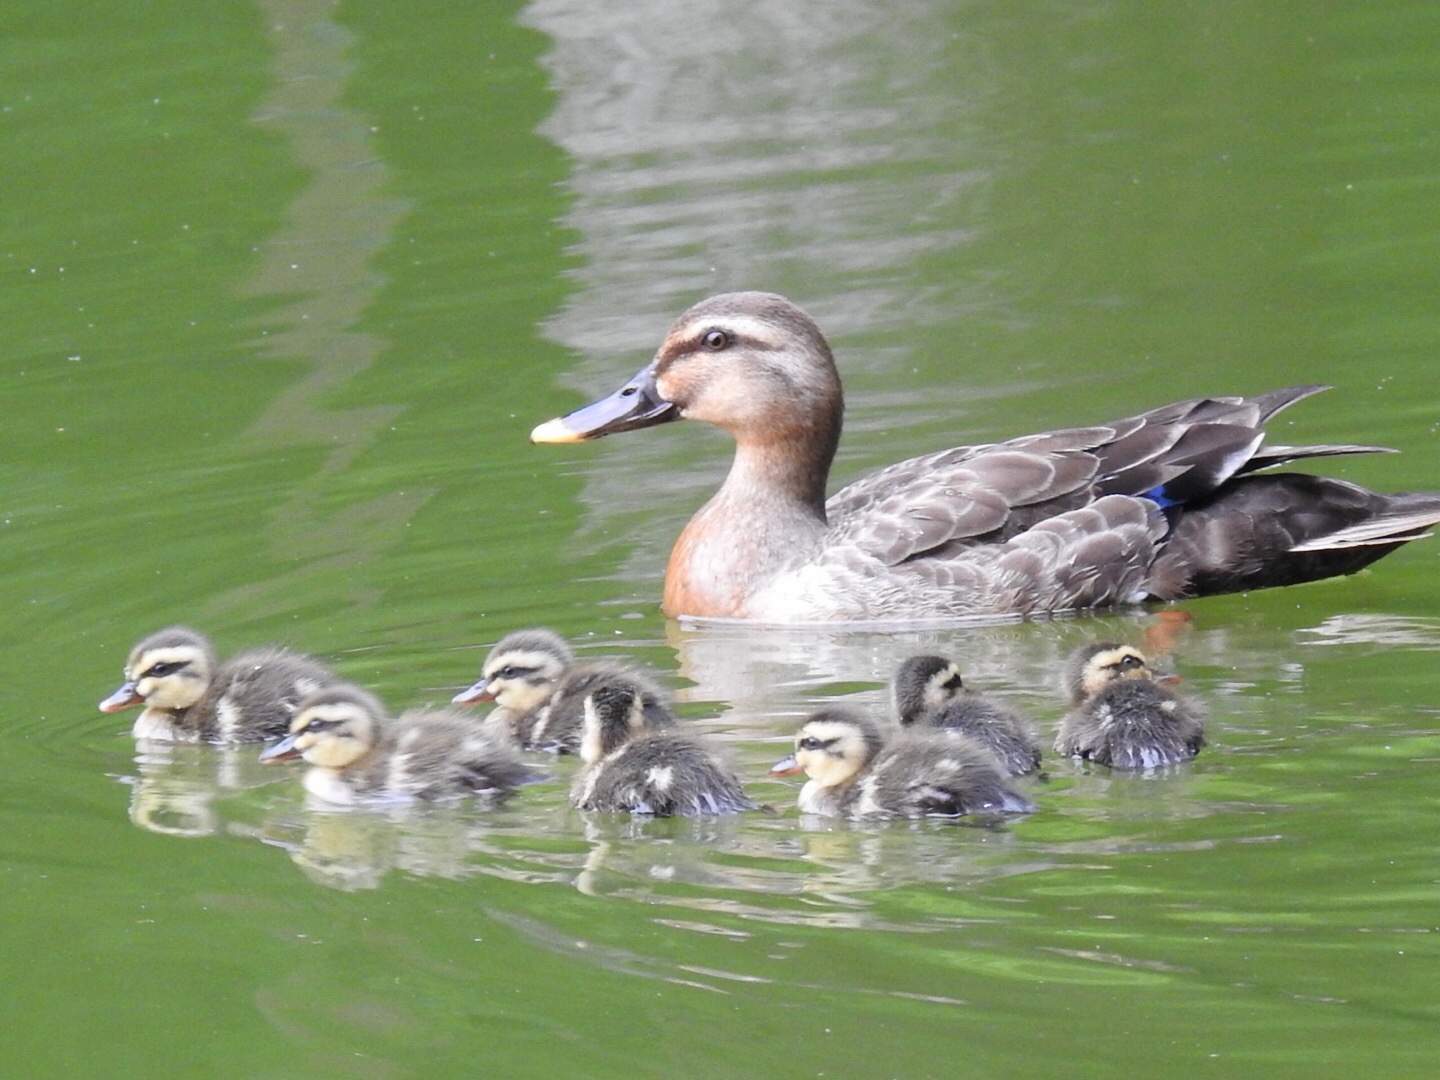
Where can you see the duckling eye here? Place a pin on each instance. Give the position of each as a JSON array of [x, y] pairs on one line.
[[810, 742], [715, 340], [163, 668], [509, 671], [1129, 662]]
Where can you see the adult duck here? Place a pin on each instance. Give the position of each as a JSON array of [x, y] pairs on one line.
[[1161, 505]]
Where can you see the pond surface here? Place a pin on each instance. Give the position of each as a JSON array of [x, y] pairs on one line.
[[286, 286]]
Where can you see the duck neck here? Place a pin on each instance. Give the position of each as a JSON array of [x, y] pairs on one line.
[[768, 515]]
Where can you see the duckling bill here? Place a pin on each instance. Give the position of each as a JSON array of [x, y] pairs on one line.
[[1174, 502]]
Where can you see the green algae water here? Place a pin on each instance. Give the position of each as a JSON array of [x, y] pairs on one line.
[[287, 284]]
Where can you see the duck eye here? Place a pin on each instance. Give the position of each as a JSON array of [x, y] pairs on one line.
[[809, 743], [165, 667], [507, 672], [1128, 663], [715, 340]]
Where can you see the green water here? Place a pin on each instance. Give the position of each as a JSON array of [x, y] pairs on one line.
[[285, 287]]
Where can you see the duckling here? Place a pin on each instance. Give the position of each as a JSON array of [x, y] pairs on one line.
[[1163, 504], [854, 773], [631, 766], [189, 696], [359, 754], [539, 691], [928, 692], [1123, 716]]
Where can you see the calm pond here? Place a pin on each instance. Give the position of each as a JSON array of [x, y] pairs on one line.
[[286, 286]]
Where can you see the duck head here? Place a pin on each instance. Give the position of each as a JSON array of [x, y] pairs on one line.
[[169, 670], [333, 728], [521, 671], [923, 683], [831, 748], [750, 362], [1097, 665]]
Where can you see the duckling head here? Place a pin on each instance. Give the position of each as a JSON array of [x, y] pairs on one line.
[[521, 671], [614, 713], [170, 670], [923, 683], [333, 728], [1097, 665], [831, 748]]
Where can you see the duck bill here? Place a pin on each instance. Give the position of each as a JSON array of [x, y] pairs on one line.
[[475, 695], [786, 767], [284, 750], [637, 404], [122, 698]]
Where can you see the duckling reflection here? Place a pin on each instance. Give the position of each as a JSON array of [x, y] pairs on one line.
[[635, 768], [189, 696], [853, 773], [356, 753], [175, 786], [540, 692], [927, 692], [1122, 715]]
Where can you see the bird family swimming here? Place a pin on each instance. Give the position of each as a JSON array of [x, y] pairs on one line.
[[1122, 715], [539, 690], [190, 696], [357, 753], [1168, 503]]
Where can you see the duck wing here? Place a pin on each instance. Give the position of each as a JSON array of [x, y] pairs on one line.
[[1077, 517]]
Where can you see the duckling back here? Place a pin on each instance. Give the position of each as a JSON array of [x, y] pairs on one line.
[[660, 772], [558, 725], [442, 753], [256, 693], [1000, 729], [933, 773], [1133, 724]]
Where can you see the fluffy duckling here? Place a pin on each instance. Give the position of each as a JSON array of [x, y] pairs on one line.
[[632, 766], [1123, 716], [853, 773], [928, 692], [358, 754], [539, 691], [189, 696]]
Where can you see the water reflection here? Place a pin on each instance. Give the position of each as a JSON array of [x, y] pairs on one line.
[[318, 275], [796, 147], [774, 867]]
